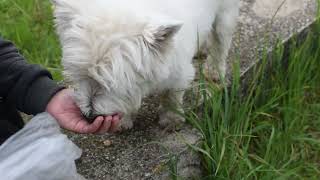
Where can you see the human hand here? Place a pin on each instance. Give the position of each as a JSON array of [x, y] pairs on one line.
[[64, 109]]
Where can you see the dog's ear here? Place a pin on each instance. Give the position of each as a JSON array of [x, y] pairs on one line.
[[158, 35]]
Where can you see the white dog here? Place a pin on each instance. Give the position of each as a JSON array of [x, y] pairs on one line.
[[116, 52]]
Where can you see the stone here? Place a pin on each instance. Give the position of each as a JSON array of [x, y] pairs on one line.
[[262, 23], [107, 143], [270, 7]]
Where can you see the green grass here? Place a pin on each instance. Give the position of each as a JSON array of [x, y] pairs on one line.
[[269, 129], [28, 23]]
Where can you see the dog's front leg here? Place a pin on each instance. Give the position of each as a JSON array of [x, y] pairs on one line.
[[170, 113], [126, 122]]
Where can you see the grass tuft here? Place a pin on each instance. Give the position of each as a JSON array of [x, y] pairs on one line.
[[270, 128], [28, 23]]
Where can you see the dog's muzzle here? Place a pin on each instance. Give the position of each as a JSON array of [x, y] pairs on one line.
[[91, 117]]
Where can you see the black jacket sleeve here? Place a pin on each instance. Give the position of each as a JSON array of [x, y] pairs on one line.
[[28, 87]]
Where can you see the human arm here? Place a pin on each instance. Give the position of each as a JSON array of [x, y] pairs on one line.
[[31, 90]]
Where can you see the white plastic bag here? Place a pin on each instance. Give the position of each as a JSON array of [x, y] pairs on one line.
[[39, 152]]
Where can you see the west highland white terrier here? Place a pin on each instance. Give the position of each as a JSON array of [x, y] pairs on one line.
[[116, 52]]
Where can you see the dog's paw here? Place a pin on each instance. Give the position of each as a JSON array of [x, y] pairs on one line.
[[125, 124], [212, 75], [171, 121]]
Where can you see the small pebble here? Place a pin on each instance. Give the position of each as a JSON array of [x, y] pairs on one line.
[[107, 142]]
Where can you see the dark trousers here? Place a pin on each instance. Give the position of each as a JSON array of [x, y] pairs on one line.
[[10, 121]]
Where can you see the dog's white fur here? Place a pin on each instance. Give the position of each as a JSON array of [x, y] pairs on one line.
[[116, 52]]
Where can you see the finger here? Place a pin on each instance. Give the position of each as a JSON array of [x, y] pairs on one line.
[[92, 128], [115, 124], [105, 126]]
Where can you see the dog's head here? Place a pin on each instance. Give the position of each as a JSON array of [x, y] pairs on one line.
[[109, 54]]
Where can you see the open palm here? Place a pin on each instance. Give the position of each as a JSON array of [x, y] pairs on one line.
[[64, 109]]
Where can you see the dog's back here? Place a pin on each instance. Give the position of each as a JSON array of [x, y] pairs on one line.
[[116, 52], [197, 16]]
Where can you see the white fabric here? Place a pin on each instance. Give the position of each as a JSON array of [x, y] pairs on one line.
[[39, 152]]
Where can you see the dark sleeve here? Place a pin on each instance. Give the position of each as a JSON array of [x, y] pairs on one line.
[[28, 87]]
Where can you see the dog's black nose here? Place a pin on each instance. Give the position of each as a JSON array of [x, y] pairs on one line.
[[90, 117]]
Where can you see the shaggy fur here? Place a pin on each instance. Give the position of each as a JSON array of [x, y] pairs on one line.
[[116, 52]]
